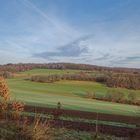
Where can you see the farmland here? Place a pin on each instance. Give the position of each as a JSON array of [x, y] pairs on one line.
[[71, 94], [78, 100]]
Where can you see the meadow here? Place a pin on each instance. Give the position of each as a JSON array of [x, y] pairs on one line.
[[71, 94]]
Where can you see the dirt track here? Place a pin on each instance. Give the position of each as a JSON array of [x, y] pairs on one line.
[[85, 115]]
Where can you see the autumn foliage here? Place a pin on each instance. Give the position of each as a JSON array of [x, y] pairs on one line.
[[4, 91]]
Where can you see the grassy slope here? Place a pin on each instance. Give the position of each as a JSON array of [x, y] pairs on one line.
[[69, 93]]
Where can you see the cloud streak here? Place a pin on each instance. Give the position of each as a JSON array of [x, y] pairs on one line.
[[46, 17]]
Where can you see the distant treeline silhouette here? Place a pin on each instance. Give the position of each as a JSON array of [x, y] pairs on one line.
[[28, 66]]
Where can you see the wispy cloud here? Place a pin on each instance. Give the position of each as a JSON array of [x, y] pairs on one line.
[[46, 18], [73, 49]]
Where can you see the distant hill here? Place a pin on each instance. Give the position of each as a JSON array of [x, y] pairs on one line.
[[28, 66]]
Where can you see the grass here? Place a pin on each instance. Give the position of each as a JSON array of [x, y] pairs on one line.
[[69, 93], [81, 135], [66, 134]]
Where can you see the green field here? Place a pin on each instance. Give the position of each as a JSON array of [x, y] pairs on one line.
[[69, 93]]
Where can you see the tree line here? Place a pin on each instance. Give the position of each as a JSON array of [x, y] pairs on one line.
[[129, 81], [115, 96], [111, 80]]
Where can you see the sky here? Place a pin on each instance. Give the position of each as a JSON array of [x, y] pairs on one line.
[[98, 32]]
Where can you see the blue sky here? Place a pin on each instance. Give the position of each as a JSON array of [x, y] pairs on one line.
[[100, 32]]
